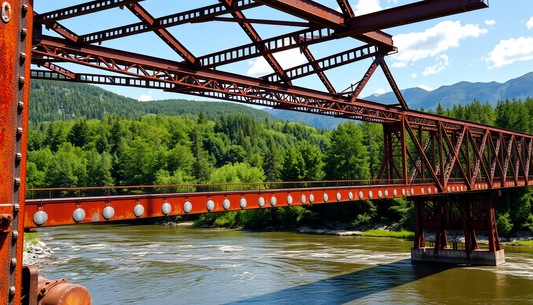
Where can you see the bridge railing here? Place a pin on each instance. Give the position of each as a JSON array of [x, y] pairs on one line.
[[50, 193]]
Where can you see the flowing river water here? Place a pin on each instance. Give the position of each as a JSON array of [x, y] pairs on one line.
[[151, 264]]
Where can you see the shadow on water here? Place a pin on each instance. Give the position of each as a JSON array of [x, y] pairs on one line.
[[353, 286]]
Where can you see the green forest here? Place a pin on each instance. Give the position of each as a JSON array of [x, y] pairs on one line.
[[221, 146]]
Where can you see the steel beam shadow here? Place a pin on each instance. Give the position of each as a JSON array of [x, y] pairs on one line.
[[352, 286]]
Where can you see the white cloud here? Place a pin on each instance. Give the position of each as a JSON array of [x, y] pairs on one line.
[[441, 65], [144, 98], [414, 75], [398, 64], [287, 59], [445, 35], [366, 7], [380, 91], [490, 22], [425, 88], [530, 23], [509, 51]]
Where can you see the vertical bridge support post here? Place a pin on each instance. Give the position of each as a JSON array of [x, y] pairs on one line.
[[447, 216], [16, 22]]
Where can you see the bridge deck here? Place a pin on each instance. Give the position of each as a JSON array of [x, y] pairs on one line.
[[79, 205]]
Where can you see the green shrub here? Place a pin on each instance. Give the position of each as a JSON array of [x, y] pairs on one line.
[[528, 224], [30, 239], [504, 224]]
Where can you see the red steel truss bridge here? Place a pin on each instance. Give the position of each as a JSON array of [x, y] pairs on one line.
[[448, 167]]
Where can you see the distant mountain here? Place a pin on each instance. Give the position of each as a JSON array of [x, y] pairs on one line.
[[52, 100], [309, 119], [463, 93]]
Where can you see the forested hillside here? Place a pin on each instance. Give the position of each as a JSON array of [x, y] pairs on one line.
[[157, 149], [55, 100]]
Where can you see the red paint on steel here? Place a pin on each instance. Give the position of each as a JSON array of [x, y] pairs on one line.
[[60, 209], [410, 13], [15, 50], [80, 9]]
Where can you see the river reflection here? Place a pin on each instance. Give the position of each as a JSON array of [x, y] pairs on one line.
[[126, 264]]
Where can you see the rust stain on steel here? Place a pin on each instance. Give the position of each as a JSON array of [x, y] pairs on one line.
[[59, 292], [12, 67], [60, 210]]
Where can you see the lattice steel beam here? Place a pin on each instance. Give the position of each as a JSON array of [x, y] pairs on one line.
[[165, 35], [80, 9], [254, 36], [329, 18], [326, 63], [410, 13], [190, 16], [245, 88]]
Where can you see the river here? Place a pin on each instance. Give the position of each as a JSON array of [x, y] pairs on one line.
[[151, 264]]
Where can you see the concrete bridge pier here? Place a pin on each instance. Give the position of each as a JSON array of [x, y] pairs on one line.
[[448, 216]]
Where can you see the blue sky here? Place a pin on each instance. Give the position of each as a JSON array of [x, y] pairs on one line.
[[492, 44]]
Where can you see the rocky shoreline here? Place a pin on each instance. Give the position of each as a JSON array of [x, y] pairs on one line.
[[342, 230], [37, 254]]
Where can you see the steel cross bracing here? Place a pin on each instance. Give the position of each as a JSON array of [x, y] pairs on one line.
[[464, 149]]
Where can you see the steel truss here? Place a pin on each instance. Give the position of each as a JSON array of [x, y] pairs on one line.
[[466, 213], [425, 154]]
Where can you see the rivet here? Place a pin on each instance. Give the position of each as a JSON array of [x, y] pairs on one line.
[[138, 210], [108, 212], [350, 196], [429, 190], [325, 197], [261, 202], [422, 191], [386, 193], [167, 208], [24, 7], [187, 207], [12, 290], [23, 32], [243, 203], [403, 192], [302, 199], [370, 194], [380, 194], [22, 56], [22, 79], [289, 200], [412, 191], [226, 204], [19, 130], [16, 207], [18, 156], [17, 181], [21, 104], [273, 201], [78, 215], [15, 234], [40, 217], [361, 195], [13, 262], [311, 198], [339, 196], [395, 193]]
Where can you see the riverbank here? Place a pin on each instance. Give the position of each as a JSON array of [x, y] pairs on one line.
[[522, 238], [35, 251]]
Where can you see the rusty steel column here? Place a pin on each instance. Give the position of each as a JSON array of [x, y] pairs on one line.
[[15, 55]]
